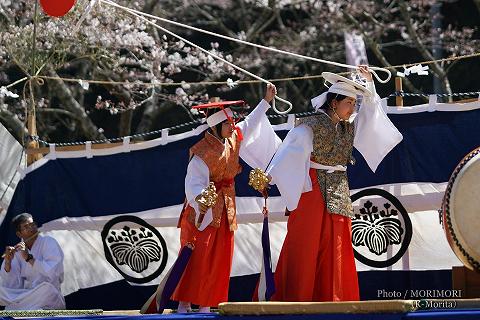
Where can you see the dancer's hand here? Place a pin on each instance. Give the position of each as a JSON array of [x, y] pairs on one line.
[[364, 71], [264, 192], [207, 198], [271, 92], [201, 206]]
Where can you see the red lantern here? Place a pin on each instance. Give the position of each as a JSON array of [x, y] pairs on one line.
[[57, 8]]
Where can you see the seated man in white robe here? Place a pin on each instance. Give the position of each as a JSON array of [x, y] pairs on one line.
[[32, 270]]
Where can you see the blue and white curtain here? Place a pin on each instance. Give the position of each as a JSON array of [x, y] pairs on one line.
[[115, 211]]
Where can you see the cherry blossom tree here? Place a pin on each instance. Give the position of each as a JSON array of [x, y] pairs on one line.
[[109, 46], [113, 46]]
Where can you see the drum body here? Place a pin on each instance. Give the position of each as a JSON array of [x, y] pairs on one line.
[[461, 210]]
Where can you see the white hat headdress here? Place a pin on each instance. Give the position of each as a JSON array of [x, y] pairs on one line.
[[340, 85]]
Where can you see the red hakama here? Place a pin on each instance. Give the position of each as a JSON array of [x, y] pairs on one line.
[[207, 275], [316, 262]]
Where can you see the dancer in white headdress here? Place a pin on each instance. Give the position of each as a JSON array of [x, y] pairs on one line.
[[316, 262]]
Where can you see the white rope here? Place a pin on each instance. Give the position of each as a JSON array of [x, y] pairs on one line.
[[389, 74], [89, 8], [207, 52]]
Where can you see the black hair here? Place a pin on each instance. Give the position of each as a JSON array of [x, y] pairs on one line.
[[19, 219], [330, 97], [218, 126], [211, 111], [218, 129]]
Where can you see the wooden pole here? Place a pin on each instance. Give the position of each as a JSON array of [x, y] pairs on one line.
[[32, 131], [31, 119], [398, 88]]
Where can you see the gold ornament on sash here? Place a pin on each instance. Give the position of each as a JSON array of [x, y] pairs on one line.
[[208, 197], [258, 180]]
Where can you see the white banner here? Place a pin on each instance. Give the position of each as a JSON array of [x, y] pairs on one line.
[[425, 245], [355, 49], [11, 156]]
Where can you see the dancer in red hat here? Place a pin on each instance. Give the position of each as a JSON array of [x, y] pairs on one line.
[[210, 226]]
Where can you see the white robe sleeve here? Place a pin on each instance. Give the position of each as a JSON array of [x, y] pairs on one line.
[[291, 164], [11, 279], [375, 134], [259, 139], [197, 179], [50, 265], [39, 285]]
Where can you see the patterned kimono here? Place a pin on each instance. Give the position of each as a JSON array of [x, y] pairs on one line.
[[332, 145], [211, 261], [206, 279], [316, 262]]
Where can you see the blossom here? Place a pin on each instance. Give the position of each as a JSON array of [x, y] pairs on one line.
[[4, 92]]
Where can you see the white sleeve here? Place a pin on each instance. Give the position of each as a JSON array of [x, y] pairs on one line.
[[259, 139], [375, 134], [11, 279], [291, 164], [197, 179], [51, 263]]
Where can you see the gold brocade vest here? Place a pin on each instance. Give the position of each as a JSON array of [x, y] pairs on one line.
[[332, 145], [222, 161]]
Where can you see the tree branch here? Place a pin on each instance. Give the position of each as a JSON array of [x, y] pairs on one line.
[[416, 39], [58, 112], [373, 45], [4, 19], [477, 3], [259, 29], [149, 6], [150, 113], [125, 124], [217, 22], [299, 98], [436, 68], [118, 90], [62, 91], [267, 17], [282, 26], [13, 124]]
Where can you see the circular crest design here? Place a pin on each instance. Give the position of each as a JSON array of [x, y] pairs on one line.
[[381, 228], [134, 248]]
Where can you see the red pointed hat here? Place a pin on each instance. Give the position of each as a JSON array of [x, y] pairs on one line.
[[219, 104], [224, 114]]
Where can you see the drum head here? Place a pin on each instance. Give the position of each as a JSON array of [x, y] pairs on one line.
[[464, 206]]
